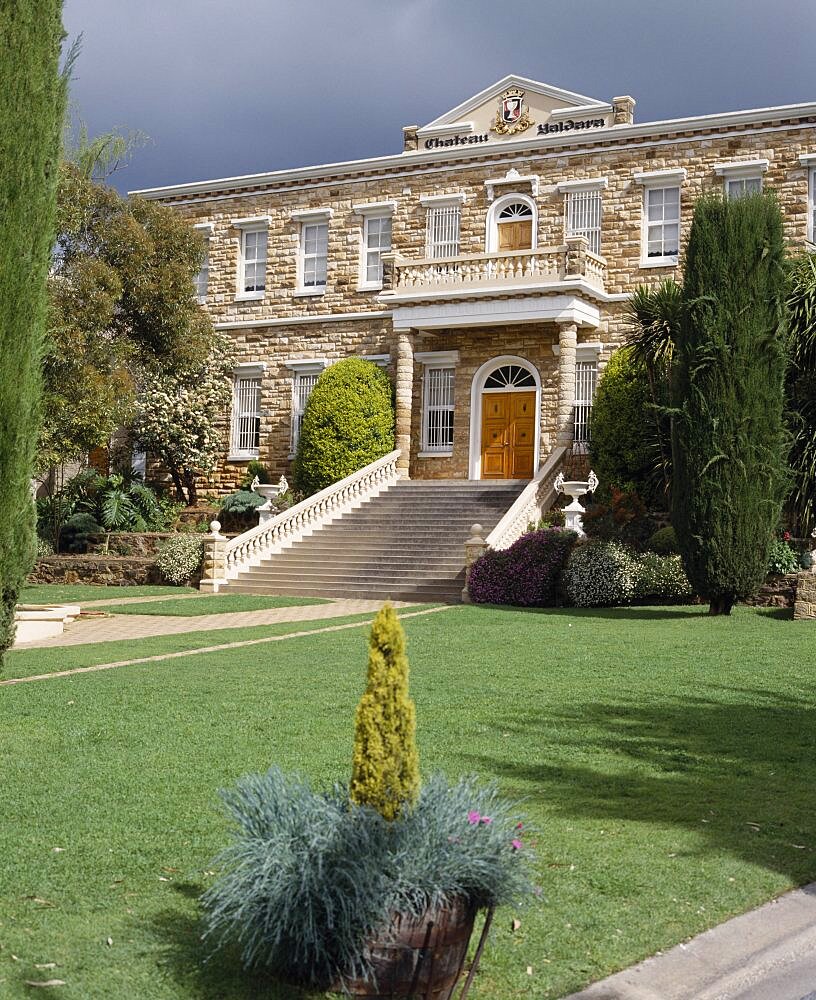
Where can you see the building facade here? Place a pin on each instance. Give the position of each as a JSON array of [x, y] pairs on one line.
[[487, 266]]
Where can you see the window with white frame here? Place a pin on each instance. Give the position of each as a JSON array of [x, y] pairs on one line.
[[246, 412], [376, 242], [437, 409], [201, 279], [438, 380], [811, 228], [442, 234], [586, 380], [662, 224], [302, 385], [742, 178], [739, 187], [582, 216], [660, 239], [253, 261], [314, 248]]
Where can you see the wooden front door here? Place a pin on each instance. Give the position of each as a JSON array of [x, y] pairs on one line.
[[515, 235], [508, 435]]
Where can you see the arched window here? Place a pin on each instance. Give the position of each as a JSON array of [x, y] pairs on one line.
[[510, 377], [511, 224]]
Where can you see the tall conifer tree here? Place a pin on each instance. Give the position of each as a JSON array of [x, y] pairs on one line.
[[32, 106], [729, 445]]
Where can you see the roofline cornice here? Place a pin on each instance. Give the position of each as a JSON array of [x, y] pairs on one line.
[[613, 133]]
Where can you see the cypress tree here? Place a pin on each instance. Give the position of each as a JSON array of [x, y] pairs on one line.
[[728, 442], [32, 106], [385, 772]]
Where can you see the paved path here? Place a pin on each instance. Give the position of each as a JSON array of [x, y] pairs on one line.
[[111, 628], [767, 954], [326, 627]]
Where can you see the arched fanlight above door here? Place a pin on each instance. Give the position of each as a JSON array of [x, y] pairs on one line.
[[515, 210], [510, 377]]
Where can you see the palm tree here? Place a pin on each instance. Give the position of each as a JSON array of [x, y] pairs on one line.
[[654, 315], [801, 388]]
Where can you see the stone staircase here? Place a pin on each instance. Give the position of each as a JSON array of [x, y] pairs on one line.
[[406, 544]]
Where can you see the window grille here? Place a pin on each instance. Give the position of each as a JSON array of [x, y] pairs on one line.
[[302, 386], [443, 231], [201, 279], [437, 430], [254, 260], [662, 222], [739, 187], [246, 415], [377, 242], [315, 246], [582, 216], [586, 377]]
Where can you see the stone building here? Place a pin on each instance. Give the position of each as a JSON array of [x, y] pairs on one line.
[[487, 266]]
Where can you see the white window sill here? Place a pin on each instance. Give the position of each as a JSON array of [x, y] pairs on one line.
[[303, 293], [201, 300], [435, 454], [659, 262], [370, 287], [243, 456], [249, 296]]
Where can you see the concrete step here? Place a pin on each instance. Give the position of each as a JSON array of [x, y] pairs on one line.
[[445, 594], [317, 576]]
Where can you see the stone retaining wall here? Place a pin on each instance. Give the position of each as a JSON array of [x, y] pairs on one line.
[[776, 592], [113, 571], [805, 606]]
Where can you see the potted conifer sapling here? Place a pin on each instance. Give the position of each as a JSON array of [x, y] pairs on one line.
[[370, 889]]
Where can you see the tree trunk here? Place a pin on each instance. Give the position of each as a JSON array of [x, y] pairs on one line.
[[192, 492], [180, 496]]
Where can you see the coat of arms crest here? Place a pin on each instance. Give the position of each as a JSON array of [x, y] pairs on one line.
[[513, 115]]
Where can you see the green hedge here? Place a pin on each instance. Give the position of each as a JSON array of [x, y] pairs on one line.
[[348, 423]]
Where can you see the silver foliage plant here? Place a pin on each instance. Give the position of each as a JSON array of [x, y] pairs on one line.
[[309, 876], [179, 558]]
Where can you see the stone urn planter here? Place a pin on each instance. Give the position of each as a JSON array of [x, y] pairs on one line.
[[421, 958]]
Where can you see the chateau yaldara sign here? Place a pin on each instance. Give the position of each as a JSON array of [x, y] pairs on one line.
[[546, 128]]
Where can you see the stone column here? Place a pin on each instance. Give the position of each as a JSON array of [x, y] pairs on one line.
[[567, 342], [404, 400], [214, 567], [623, 110]]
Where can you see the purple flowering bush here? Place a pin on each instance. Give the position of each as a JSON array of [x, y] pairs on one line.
[[526, 574]]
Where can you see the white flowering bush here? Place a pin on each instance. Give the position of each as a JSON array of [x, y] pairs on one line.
[[177, 413], [661, 578], [179, 558], [600, 575]]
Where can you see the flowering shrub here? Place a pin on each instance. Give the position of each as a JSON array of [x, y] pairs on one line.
[[179, 558], [782, 558], [44, 548], [624, 519], [600, 575], [526, 574], [661, 578]]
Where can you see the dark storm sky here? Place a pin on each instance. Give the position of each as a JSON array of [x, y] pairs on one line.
[[225, 88]]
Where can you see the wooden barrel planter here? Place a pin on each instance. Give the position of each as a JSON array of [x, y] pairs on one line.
[[420, 958]]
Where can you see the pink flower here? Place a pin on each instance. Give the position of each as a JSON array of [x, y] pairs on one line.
[[487, 820], [473, 817], [787, 536], [517, 845], [519, 826]]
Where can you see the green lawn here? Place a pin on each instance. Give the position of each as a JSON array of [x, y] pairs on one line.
[[45, 593], [217, 604], [668, 761]]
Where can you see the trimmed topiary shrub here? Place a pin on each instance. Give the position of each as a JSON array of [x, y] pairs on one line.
[[660, 579], [526, 574], [621, 416], [385, 772], [179, 558], [348, 423], [664, 542], [77, 533], [600, 575]]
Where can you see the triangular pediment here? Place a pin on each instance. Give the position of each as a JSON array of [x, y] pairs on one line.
[[531, 102]]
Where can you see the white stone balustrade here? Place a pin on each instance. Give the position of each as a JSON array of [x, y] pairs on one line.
[[547, 265], [530, 505], [224, 560]]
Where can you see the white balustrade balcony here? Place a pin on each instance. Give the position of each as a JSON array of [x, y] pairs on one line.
[[479, 275]]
